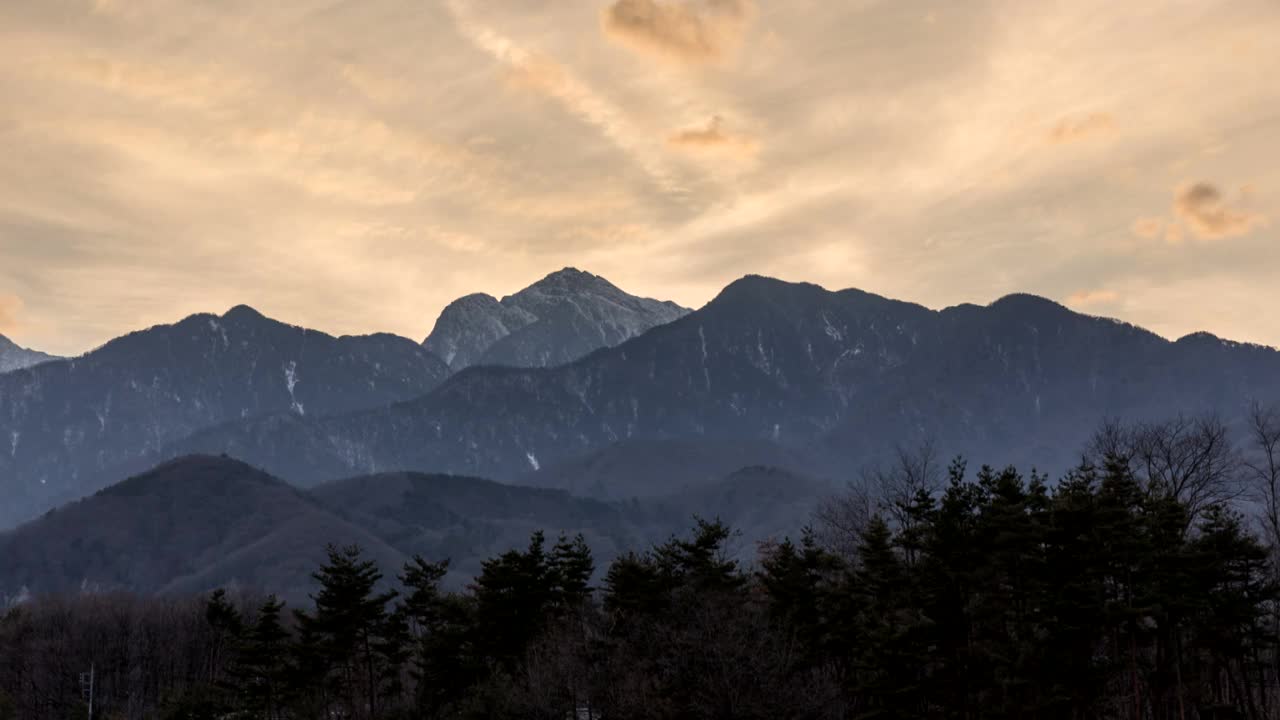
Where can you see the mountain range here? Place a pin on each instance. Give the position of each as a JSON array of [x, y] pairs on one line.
[[15, 357], [789, 376], [66, 424], [76, 425], [833, 377]]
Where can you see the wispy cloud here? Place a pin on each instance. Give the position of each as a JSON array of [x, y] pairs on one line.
[[559, 82], [1072, 129], [159, 158]]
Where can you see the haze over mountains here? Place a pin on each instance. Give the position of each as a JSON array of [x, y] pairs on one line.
[[752, 406], [15, 357], [201, 522]]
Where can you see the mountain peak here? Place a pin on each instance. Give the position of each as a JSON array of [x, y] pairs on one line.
[[569, 280], [1025, 300], [243, 313], [760, 287], [1029, 306], [560, 318]]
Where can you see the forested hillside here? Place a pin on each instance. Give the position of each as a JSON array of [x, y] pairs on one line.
[[1133, 587]]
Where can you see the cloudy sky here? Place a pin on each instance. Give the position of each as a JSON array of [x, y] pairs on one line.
[[353, 166]]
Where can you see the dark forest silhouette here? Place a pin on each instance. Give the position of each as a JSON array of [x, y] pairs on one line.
[[1133, 587]]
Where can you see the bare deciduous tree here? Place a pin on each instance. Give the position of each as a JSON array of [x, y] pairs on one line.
[[889, 489], [1191, 459], [1261, 466], [840, 519]]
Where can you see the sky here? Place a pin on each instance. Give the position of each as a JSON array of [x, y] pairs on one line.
[[354, 166]]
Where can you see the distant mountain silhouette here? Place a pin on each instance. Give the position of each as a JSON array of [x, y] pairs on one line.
[[558, 319], [15, 357], [67, 427], [658, 468], [200, 522], [190, 523], [835, 377]]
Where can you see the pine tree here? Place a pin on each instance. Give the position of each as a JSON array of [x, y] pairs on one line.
[[225, 625], [258, 677], [512, 592], [800, 585], [888, 661], [342, 633], [570, 568], [700, 563]]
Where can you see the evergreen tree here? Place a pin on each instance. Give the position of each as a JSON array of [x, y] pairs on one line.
[[570, 568], [226, 625], [512, 593], [258, 677], [342, 634], [888, 663], [800, 583]]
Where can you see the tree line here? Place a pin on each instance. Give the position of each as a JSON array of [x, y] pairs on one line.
[[1133, 587]]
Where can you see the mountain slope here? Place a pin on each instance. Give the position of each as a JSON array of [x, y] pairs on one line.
[[837, 376], [558, 319], [67, 427], [759, 502], [14, 357], [469, 519], [201, 522], [199, 517], [652, 468]]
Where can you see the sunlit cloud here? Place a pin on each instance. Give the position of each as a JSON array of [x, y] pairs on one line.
[[1081, 128], [160, 158], [1090, 298], [1148, 228], [10, 309]]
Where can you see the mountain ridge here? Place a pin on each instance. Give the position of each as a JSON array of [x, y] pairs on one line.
[[837, 373], [69, 424], [558, 319], [15, 357]]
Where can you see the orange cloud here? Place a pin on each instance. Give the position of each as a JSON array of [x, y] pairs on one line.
[[712, 137], [688, 31], [1148, 228], [1086, 298], [1073, 129], [10, 308], [1205, 212]]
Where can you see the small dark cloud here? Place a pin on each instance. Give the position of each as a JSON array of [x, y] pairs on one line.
[[691, 31], [713, 136], [1204, 210]]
